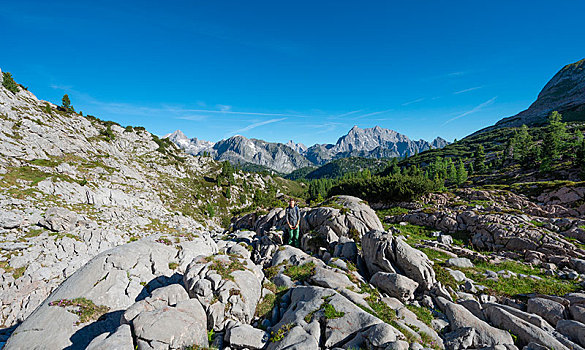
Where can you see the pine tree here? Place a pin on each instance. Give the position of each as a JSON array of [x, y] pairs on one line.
[[555, 134], [577, 138], [452, 174], [524, 146], [580, 156], [510, 150], [461, 173], [552, 145], [67, 104], [479, 160]]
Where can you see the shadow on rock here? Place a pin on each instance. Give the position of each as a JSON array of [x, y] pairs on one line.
[[158, 282], [108, 323]]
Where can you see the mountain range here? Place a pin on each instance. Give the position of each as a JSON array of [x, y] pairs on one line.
[[373, 142]]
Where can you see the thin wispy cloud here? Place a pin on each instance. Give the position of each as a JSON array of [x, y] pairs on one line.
[[467, 90], [471, 111], [414, 101], [451, 75], [255, 125], [60, 87], [348, 113], [194, 118], [457, 74], [245, 113], [175, 112], [372, 114], [325, 127]]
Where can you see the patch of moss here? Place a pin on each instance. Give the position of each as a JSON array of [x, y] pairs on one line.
[[422, 313], [300, 272], [224, 270], [394, 211], [44, 162], [82, 307], [330, 312], [18, 272], [380, 308], [443, 276], [265, 306], [543, 284]]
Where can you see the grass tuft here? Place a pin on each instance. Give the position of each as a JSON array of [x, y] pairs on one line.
[[301, 272], [82, 307]]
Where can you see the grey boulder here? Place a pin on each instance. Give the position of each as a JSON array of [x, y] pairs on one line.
[[550, 310], [573, 330], [112, 279], [484, 334], [459, 262], [387, 253], [246, 337], [59, 219], [525, 331], [395, 285], [172, 327], [9, 219], [121, 339]]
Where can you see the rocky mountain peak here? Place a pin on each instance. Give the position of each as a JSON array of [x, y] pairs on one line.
[[564, 93], [375, 142], [297, 147]]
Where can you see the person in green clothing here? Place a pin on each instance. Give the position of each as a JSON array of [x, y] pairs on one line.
[[293, 219]]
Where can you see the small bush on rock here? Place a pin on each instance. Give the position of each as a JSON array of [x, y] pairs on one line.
[[9, 83], [301, 272], [82, 307], [282, 331]]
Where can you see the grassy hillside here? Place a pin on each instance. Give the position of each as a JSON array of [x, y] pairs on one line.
[[503, 167], [338, 168]]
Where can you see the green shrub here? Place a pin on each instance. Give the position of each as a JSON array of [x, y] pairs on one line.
[[301, 272], [107, 133], [422, 313], [82, 307], [393, 188], [9, 83], [282, 331], [225, 270], [330, 313]]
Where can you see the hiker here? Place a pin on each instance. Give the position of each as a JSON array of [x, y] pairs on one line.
[[293, 219]]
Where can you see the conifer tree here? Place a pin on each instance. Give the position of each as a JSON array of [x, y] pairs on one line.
[[452, 174], [524, 146], [580, 157], [461, 173], [552, 145], [67, 104], [479, 160]]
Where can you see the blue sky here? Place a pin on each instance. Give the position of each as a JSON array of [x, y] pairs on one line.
[[301, 70]]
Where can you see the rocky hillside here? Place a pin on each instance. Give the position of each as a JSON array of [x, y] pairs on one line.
[[564, 93], [73, 186], [374, 142]]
